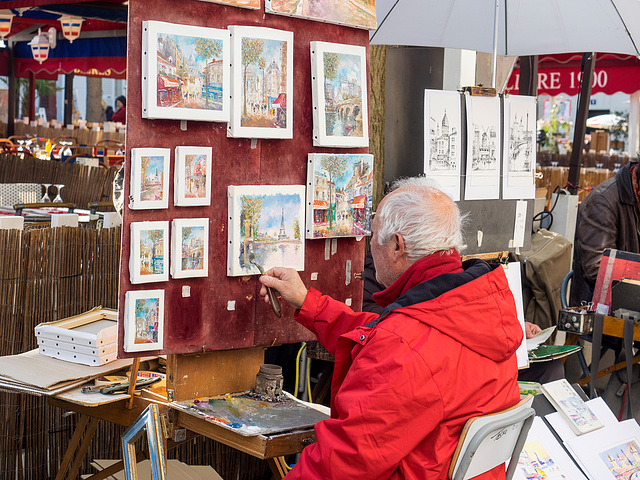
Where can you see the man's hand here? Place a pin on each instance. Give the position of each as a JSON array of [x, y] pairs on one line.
[[531, 329], [288, 284]]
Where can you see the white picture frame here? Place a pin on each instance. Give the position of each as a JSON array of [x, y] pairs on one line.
[[149, 178], [443, 139], [262, 108], [339, 195], [201, 91], [192, 176], [519, 164], [273, 236], [189, 247], [334, 101], [149, 253], [144, 320]]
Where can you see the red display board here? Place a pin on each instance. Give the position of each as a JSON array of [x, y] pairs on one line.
[[203, 320]]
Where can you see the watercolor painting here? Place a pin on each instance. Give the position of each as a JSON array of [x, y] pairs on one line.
[[535, 463], [339, 195], [188, 72], [442, 139], [144, 320], [265, 227], [623, 460], [262, 83], [192, 178], [339, 94], [149, 178], [356, 13], [254, 4], [149, 252], [519, 148], [189, 247]]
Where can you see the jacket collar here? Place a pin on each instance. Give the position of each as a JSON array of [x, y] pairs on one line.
[[623, 177]]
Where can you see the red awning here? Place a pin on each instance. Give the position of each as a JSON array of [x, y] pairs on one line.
[[166, 82], [319, 205], [281, 100], [561, 74], [358, 202]]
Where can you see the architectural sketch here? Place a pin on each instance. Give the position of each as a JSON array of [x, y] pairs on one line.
[[519, 147]]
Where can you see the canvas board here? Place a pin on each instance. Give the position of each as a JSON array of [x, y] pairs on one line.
[[144, 320], [149, 178], [339, 195], [483, 148], [149, 253], [519, 165], [268, 221], [355, 13], [339, 94], [192, 176], [189, 247], [443, 139], [253, 4], [262, 83], [185, 72]]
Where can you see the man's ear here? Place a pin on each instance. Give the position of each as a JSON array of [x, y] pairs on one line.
[[399, 246]]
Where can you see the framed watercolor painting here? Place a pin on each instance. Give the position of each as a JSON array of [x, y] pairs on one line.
[[442, 139], [355, 13], [149, 178], [185, 72], [189, 247], [519, 165], [265, 223], [192, 176], [339, 94], [339, 195], [149, 254], [254, 4], [262, 78], [144, 320]]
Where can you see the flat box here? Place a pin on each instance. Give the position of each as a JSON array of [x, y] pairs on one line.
[[95, 328], [83, 358], [51, 345]]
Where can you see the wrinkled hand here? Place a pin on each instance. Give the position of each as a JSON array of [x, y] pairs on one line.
[[531, 329], [287, 283]]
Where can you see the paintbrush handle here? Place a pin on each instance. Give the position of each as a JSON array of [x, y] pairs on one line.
[[273, 300]]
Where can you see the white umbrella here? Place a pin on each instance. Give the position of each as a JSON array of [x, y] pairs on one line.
[[606, 121], [523, 27]]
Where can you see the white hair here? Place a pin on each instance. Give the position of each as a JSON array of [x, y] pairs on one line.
[[426, 217]]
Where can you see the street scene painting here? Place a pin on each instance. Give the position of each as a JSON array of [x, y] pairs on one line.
[[356, 13], [144, 320], [442, 139], [190, 247], [535, 463], [265, 228], [192, 178], [339, 195], [149, 250], [519, 148], [262, 83], [187, 70], [149, 178], [339, 93], [623, 460]]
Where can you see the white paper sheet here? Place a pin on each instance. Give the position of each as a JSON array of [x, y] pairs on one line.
[[512, 270], [540, 337], [519, 163], [596, 405]]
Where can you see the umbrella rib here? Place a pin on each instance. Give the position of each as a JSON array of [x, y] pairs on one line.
[[625, 27], [383, 20]]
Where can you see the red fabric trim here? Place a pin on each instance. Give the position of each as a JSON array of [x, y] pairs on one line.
[[112, 67]]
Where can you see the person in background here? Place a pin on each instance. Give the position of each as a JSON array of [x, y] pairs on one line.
[[108, 113], [120, 114], [443, 350]]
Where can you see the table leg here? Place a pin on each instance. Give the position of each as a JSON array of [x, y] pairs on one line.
[[278, 467], [77, 448], [73, 444]]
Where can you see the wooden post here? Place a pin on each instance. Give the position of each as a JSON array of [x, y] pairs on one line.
[[68, 98], [32, 96], [580, 128]]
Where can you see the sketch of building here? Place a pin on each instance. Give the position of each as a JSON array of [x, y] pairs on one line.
[[521, 144], [484, 148], [443, 145]]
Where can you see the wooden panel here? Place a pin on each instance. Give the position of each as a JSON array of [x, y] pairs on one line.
[[615, 327], [202, 320]]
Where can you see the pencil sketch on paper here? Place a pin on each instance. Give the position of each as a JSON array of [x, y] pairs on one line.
[[358, 13], [147, 317], [521, 125], [152, 178], [535, 463], [192, 248], [339, 195], [484, 155], [623, 460], [444, 140]]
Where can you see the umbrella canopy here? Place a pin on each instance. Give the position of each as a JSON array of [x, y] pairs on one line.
[[606, 121], [524, 27]]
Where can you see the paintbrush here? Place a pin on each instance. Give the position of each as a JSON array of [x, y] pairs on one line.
[[273, 299]]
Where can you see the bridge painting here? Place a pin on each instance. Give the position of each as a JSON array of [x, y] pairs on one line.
[[343, 90]]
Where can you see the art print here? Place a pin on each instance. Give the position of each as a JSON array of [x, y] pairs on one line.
[[185, 72], [356, 13], [519, 164], [190, 247], [443, 139], [265, 228], [144, 320], [339, 94], [339, 195], [483, 148], [253, 4], [149, 253], [262, 83], [623, 460], [149, 178], [192, 178]]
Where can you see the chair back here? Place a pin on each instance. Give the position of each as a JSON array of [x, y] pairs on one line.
[[490, 440]]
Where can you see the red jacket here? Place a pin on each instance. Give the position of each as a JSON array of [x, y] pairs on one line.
[[403, 388]]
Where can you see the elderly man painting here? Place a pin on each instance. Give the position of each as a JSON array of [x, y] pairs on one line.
[[405, 382]]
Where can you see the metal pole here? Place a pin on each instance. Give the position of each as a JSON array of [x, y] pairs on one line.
[[494, 66]]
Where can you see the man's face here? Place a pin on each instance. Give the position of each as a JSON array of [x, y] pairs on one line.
[[382, 256]]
